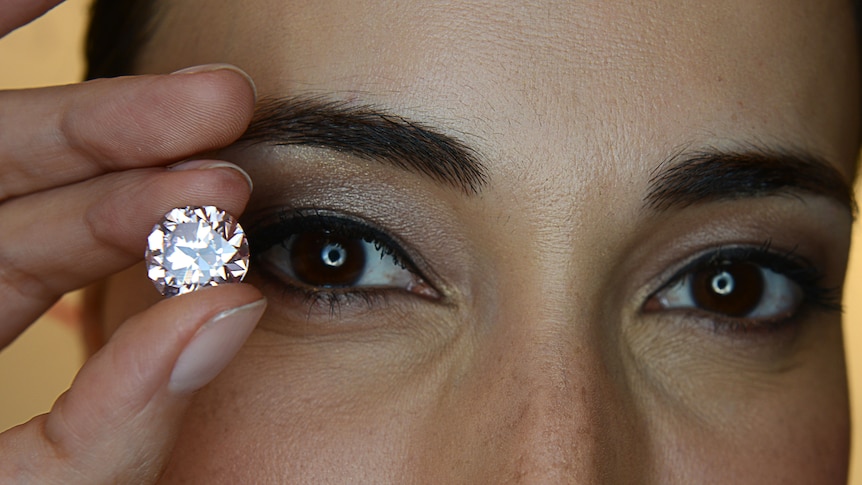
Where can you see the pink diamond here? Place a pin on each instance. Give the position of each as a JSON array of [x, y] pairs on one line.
[[193, 247]]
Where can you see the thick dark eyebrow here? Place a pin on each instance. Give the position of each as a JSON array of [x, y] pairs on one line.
[[369, 133], [713, 175]]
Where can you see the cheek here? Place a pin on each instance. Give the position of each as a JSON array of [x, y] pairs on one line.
[[287, 412], [272, 418], [716, 414], [784, 444]]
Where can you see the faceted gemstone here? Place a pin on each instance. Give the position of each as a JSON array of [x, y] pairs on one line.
[[193, 247]]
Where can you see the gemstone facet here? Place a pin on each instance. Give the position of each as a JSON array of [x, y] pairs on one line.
[[194, 247]]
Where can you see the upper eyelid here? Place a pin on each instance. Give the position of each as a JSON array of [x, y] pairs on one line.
[[319, 220], [761, 254]]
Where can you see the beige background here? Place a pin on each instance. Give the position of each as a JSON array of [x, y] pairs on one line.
[[42, 363]]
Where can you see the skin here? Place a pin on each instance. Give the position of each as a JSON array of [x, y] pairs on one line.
[[538, 363]]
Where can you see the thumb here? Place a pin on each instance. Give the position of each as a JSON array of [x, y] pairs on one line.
[[118, 421]]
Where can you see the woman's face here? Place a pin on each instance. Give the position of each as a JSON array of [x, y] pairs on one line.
[[601, 241]]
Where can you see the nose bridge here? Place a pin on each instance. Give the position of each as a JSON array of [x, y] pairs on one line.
[[553, 409], [541, 396], [562, 398], [555, 429]]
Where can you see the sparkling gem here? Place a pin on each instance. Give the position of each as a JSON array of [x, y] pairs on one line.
[[194, 247]]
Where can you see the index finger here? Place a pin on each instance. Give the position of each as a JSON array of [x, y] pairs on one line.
[[60, 135], [15, 13]]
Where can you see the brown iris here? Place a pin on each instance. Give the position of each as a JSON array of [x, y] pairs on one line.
[[733, 288], [327, 260]]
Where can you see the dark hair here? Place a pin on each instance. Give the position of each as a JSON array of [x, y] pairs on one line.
[[118, 31]]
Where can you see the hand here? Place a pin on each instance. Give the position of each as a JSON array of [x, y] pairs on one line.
[[82, 181]]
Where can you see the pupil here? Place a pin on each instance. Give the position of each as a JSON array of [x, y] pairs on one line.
[[333, 255], [326, 260], [723, 283], [733, 288]]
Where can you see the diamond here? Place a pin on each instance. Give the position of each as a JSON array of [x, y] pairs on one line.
[[194, 247]]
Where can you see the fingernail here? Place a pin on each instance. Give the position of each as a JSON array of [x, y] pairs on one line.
[[214, 346], [219, 67], [208, 164]]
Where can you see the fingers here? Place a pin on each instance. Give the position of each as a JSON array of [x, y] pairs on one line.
[[15, 13], [54, 241], [117, 422], [60, 135]]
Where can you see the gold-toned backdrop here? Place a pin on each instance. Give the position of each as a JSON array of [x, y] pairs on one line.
[[42, 363]]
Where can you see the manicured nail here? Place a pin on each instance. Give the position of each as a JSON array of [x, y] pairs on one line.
[[214, 346], [219, 67], [208, 164]]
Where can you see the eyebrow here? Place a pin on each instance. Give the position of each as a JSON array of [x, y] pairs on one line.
[[712, 175], [369, 133]]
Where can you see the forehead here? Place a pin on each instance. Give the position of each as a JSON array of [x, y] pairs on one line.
[[556, 81]]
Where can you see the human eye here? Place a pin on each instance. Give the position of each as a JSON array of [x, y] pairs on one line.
[[331, 258], [745, 289]]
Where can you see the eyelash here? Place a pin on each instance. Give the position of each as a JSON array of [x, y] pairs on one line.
[[815, 296], [298, 221]]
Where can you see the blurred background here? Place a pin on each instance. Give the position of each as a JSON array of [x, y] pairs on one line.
[[41, 364]]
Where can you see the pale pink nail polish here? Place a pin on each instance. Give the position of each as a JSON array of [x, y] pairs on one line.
[[214, 346], [218, 67], [209, 164]]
